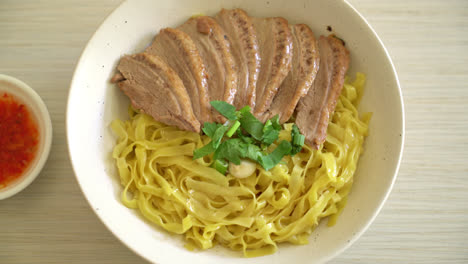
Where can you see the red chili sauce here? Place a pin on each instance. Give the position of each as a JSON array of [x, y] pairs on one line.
[[19, 139]]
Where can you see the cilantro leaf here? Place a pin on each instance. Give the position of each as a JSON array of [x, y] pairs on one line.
[[270, 160], [227, 110], [231, 149], [203, 151], [267, 126], [270, 136], [210, 128], [244, 138], [275, 122], [252, 152], [243, 110], [252, 125], [216, 132], [271, 130], [218, 135]]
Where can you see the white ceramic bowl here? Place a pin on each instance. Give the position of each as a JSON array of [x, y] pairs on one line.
[[38, 109], [94, 103]]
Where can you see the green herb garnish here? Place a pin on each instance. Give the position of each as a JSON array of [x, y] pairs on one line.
[[243, 110], [271, 131], [218, 135], [227, 110], [246, 137], [270, 160], [210, 128], [297, 140], [230, 150], [253, 152], [252, 125], [203, 151]]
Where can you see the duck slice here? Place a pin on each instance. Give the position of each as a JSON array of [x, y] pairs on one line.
[[305, 64], [155, 89], [178, 50], [316, 108], [275, 45], [241, 34], [215, 51]]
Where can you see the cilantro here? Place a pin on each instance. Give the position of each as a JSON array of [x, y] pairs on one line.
[[253, 152], [203, 151], [231, 150], [218, 135], [270, 136], [235, 149], [275, 122], [243, 110], [210, 128], [270, 160], [250, 145], [267, 126], [245, 139], [271, 130], [216, 132], [252, 125], [227, 110]]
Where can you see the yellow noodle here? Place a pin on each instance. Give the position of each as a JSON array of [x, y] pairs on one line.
[[254, 214]]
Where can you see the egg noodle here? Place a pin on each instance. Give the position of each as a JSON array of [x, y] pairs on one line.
[[254, 214]]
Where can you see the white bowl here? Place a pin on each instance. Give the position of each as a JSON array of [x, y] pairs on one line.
[[94, 102], [38, 109]]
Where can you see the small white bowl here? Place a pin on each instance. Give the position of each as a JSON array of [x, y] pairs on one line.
[[26, 95]]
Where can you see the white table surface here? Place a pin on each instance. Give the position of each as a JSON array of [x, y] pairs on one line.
[[425, 219]]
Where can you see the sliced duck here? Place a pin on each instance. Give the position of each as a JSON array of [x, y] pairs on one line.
[[178, 50], [275, 46], [156, 89], [215, 51], [316, 108], [242, 37], [305, 64]]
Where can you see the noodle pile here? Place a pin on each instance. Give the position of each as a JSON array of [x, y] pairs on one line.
[[254, 214]]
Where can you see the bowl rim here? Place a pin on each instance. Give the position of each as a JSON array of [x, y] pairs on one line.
[[42, 112], [400, 152], [327, 258]]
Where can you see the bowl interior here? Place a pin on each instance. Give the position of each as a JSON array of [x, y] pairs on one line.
[[26, 95], [94, 103]]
